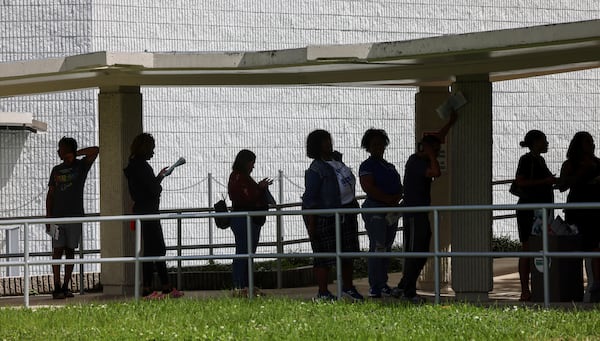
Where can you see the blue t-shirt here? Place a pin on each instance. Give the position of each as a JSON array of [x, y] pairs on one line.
[[417, 186], [385, 175]]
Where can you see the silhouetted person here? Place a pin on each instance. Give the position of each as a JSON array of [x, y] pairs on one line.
[[65, 199], [381, 182], [246, 195], [580, 174], [329, 183], [536, 182], [145, 190], [421, 168]]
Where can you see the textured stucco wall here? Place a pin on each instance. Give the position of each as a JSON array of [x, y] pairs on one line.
[[209, 125]]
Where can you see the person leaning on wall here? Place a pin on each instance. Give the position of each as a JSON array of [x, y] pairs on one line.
[[420, 170]]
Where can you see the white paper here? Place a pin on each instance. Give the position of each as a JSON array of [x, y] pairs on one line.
[[54, 231], [177, 163], [453, 103]]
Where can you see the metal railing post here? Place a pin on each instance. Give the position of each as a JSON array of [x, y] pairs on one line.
[[138, 250], [545, 256], [436, 250], [26, 261], [81, 256], [250, 259], [210, 221], [179, 252], [279, 233], [338, 257]]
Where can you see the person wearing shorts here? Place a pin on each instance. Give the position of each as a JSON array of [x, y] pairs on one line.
[[329, 183], [65, 199]]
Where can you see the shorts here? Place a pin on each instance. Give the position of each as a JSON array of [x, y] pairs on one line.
[[324, 237], [524, 224], [68, 237]]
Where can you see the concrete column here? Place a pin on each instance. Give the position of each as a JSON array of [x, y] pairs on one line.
[[427, 121], [120, 120], [471, 177]]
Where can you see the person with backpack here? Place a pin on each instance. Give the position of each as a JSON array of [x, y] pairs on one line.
[[329, 183]]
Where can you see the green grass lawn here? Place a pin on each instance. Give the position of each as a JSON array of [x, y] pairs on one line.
[[283, 319]]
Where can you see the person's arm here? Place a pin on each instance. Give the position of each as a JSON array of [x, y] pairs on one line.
[[525, 171], [367, 183], [441, 134], [89, 154], [244, 192], [567, 178]]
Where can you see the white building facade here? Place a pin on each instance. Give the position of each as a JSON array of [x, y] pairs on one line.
[[209, 125]]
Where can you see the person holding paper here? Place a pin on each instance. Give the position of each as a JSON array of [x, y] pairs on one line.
[[420, 170], [381, 182], [65, 199], [145, 190], [246, 195]]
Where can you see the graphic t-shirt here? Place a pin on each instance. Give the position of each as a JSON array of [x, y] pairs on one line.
[[346, 181], [68, 182]]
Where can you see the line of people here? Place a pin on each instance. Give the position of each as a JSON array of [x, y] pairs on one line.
[[330, 183], [580, 174]]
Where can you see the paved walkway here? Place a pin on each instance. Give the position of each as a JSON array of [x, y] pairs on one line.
[[506, 291]]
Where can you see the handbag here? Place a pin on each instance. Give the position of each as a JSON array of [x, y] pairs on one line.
[[516, 190], [221, 207]]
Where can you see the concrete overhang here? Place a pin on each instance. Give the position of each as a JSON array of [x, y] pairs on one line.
[[21, 121], [437, 61]]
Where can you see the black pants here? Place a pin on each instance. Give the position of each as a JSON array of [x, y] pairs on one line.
[[417, 235], [153, 244]]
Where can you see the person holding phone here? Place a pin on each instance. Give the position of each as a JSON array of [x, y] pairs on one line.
[[246, 195], [420, 170]]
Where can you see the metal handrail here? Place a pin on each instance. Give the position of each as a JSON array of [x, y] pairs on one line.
[[436, 253]]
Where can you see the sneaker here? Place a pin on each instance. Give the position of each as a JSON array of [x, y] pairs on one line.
[[68, 293], [174, 293], [58, 295], [155, 295], [324, 297], [352, 295], [386, 291], [374, 293], [397, 292]]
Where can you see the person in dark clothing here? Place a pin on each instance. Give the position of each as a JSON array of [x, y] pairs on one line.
[[65, 199], [145, 189], [580, 174], [536, 182], [245, 195], [329, 183], [381, 182], [419, 172]]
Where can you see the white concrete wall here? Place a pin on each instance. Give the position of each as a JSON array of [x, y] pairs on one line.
[[209, 125]]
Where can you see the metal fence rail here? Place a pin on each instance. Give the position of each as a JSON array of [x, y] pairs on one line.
[[436, 253]]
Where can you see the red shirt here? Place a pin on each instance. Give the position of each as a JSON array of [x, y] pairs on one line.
[[244, 193]]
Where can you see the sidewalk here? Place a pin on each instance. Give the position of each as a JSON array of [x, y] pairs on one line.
[[506, 290]]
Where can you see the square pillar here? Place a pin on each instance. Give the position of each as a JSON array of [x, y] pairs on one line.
[[471, 177], [120, 120], [428, 121]]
